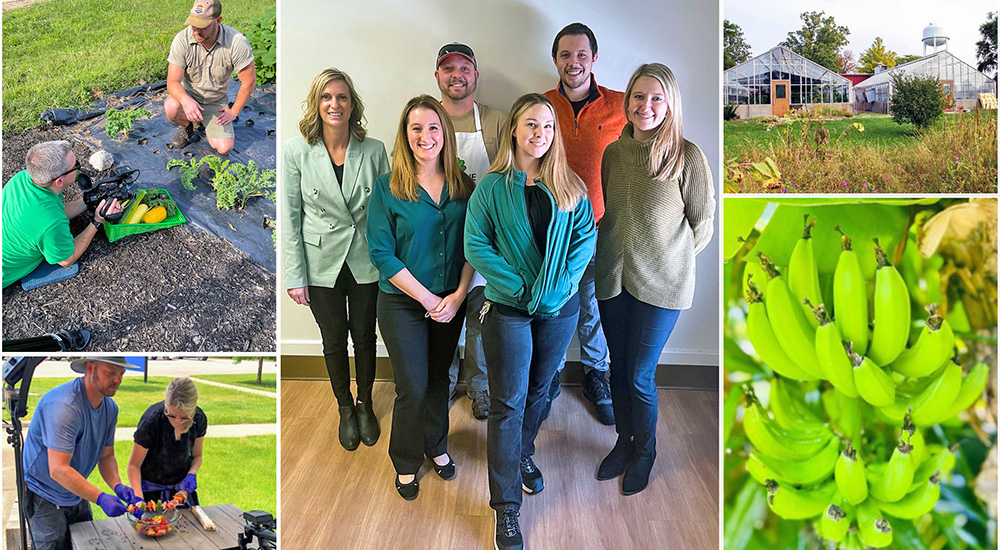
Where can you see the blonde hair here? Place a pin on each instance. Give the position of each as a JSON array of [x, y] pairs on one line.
[[566, 187], [666, 157], [182, 395], [310, 125], [403, 181]]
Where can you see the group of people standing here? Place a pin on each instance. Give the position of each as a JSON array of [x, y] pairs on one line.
[[583, 205]]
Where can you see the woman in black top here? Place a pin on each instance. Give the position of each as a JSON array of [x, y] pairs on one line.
[[166, 453]]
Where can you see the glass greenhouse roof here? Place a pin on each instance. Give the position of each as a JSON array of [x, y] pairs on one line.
[[810, 82]]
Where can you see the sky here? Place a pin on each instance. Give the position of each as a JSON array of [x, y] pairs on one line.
[[901, 24]]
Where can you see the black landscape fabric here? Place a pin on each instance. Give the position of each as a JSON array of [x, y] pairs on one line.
[[145, 149]]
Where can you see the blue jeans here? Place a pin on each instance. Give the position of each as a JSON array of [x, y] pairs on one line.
[[49, 524], [472, 369], [593, 345], [523, 353], [636, 335], [420, 350]]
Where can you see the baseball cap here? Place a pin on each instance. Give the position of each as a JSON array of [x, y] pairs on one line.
[[456, 48], [203, 13], [80, 365]]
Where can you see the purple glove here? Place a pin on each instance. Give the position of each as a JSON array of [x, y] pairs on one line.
[[190, 483], [111, 505], [126, 493]]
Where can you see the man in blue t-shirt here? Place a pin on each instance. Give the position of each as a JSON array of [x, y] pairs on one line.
[[73, 431]]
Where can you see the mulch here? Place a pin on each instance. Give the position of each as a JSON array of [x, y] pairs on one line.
[[174, 289]]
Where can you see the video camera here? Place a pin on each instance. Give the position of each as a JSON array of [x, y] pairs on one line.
[[116, 187], [260, 524]]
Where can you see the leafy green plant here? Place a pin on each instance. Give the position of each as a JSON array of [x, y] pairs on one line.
[[262, 37], [917, 100], [117, 121], [729, 112], [188, 171], [234, 183]]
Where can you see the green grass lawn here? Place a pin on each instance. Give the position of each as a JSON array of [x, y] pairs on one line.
[[235, 470], [221, 405], [269, 381], [66, 53], [880, 131]]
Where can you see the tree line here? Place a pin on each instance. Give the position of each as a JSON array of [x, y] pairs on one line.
[[823, 41]]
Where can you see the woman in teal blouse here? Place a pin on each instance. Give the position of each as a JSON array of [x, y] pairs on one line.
[[415, 237], [326, 182]]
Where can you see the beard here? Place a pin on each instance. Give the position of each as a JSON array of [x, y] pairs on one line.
[[470, 88]]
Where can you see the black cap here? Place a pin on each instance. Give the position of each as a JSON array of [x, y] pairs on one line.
[[459, 48]]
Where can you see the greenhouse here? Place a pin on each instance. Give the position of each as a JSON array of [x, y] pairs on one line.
[[779, 80], [959, 80]]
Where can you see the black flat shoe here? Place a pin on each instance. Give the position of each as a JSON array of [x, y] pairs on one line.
[[447, 471], [408, 490], [367, 423], [349, 435], [617, 460]]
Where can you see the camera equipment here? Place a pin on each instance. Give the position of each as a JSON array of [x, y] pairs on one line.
[[260, 524], [65, 340], [116, 187], [15, 400]]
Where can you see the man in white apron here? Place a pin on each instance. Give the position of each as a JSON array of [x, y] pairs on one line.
[[477, 132]]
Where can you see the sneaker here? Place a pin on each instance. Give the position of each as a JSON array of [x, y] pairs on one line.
[[598, 392], [508, 531], [480, 404], [531, 477]]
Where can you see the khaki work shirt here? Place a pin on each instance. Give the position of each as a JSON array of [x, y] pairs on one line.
[[207, 73]]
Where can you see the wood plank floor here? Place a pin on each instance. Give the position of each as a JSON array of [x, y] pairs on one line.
[[333, 498]]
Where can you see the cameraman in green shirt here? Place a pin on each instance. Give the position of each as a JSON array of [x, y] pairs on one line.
[[35, 226]]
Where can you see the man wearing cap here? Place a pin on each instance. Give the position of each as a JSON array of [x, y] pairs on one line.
[[37, 242], [477, 132], [202, 58], [590, 118], [73, 431]]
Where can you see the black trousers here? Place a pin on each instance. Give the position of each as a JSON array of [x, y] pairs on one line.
[[348, 306], [421, 350]]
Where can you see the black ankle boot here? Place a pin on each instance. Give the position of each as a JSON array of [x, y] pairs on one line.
[[637, 477], [617, 460], [367, 423], [349, 436]]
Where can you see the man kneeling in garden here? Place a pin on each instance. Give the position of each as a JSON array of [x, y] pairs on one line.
[[35, 229], [202, 58]]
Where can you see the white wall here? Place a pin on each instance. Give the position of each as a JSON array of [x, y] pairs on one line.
[[389, 48]]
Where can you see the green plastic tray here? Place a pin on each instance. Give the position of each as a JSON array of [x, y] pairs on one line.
[[115, 231]]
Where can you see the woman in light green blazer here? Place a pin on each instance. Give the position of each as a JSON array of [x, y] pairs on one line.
[[328, 177]]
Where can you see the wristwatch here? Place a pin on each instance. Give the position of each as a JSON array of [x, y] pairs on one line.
[[97, 224]]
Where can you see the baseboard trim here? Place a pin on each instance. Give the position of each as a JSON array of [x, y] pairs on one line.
[[692, 377]]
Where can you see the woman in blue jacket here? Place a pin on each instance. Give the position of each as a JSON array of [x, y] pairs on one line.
[[326, 182], [415, 223], [530, 233]]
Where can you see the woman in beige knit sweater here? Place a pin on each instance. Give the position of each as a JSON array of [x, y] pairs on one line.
[[660, 205]]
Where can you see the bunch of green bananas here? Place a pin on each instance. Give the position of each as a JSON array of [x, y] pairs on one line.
[[830, 459]]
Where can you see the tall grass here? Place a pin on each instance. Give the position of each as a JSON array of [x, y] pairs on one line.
[[957, 155]]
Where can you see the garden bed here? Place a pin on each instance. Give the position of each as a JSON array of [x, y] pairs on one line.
[[169, 290]]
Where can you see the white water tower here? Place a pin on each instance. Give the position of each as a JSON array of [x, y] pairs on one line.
[[934, 36]]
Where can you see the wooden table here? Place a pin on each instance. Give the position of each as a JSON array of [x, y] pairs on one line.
[[187, 534]]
